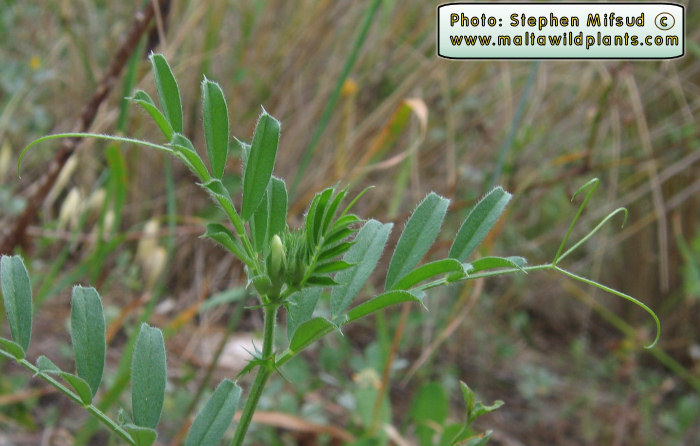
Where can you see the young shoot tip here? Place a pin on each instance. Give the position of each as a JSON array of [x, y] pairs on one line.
[[592, 181]]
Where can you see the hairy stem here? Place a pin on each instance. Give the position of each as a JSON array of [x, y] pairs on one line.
[[265, 370]]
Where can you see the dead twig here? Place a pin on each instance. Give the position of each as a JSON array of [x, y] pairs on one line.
[[16, 236]]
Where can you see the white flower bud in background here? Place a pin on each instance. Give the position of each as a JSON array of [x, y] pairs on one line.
[[109, 221], [71, 209], [5, 158], [60, 184], [151, 256], [95, 201]]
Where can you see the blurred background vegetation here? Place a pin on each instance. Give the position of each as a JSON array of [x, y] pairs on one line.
[[566, 359]]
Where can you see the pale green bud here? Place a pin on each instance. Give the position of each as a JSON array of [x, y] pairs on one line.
[[277, 257]]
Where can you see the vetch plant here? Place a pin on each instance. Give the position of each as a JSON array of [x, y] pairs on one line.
[[331, 256]]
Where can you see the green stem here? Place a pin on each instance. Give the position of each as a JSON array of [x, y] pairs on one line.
[[265, 370]]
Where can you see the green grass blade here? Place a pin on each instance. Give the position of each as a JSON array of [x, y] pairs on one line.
[[88, 335], [17, 297], [478, 223], [330, 105], [168, 91], [261, 161], [365, 252], [211, 422], [148, 376], [419, 234], [216, 126], [515, 125]]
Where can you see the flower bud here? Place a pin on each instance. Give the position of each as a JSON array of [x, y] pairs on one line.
[[277, 258]]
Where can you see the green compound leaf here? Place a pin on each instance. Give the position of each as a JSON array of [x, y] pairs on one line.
[[148, 376], [211, 422], [478, 223], [81, 387], [17, 297], [382, 301], [419, 234], [300, 307], [168, 91], [309, 332], [215, 126], [365, 252], [13, 348], [261, 161], [88, 335], [427, 271], [143, 99], [142, 436]]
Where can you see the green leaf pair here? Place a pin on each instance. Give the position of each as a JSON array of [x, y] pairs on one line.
[[148, 363], [170, 121], [422, 229]]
